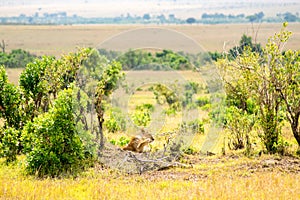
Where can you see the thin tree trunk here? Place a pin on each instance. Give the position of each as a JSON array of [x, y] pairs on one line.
[[295, 129], [297, 135], [100, 133]]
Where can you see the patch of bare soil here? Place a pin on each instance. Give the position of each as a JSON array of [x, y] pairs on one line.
[[166, 166], [284, 164], [139, 163], [229, 165]]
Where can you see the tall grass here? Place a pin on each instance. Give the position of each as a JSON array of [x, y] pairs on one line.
[[216, 179]]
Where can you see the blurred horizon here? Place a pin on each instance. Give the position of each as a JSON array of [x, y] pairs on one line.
[[179, 8]]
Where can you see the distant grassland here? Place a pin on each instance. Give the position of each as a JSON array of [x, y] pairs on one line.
[[55, 40]]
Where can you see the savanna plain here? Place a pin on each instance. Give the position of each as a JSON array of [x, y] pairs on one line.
[[224, 175]]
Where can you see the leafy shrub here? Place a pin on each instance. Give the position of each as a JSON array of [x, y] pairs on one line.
[[9, 144], [240, 124], [202, 101], [166, 59], [51, 141], [170, 111], [142, 114], [245, 41], [164, 94], [141, 118], [18, 58], [195, 126], [217, 110], [207, 107], [282, 146], [192, 86], [121, 142], [268, 84], [116, 121], [10, 101], [189, 150]]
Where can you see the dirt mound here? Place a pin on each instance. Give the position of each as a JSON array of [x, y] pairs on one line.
[[229, 166], [138, 163]]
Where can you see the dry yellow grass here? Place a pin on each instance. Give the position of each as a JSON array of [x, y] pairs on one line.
[[211, 178], [55, 40]]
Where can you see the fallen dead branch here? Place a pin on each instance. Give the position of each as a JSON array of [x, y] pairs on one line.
[[138, 163]]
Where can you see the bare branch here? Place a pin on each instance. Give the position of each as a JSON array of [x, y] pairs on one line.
[[3, 46]]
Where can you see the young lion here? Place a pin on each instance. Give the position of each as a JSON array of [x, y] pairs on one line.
[[139, 142]]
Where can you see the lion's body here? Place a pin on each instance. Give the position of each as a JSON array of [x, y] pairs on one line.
[[139, 143]]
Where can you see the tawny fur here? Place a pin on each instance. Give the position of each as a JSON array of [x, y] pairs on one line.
[[139, 142]]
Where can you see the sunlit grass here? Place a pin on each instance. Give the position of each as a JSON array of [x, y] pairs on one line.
[[212, 178]]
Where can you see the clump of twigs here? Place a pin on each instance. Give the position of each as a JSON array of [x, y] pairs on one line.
[[138, 163]]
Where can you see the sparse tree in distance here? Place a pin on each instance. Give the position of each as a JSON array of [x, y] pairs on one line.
[[190, 20]]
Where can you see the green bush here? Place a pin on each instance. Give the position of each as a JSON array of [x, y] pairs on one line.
[[202, 101], [166, 59], [207, 107], [164, 94], [121, 142], [240, 124], [18, 58], [282, 146], [189, 150], [142, 114], [9, 144], [116, 121], [10, 102], [87, 138], [195, 126], [51, 141]]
